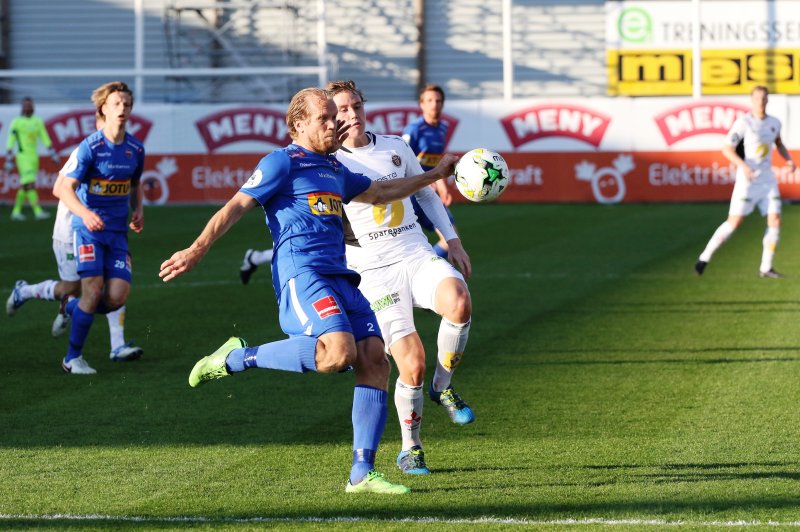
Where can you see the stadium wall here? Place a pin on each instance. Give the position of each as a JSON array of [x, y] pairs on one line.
[[605, 150]]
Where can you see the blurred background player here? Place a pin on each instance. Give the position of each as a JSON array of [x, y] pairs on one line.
[[97, 187], [253, 258], [69, 284], [25, 132], [755, 185], [427, 136], [399, 271], [330, 325]]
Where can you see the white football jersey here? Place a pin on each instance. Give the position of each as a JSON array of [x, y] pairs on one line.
[[759, 135], [62, 228], [385, 232]]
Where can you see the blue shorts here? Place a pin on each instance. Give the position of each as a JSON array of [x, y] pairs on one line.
[[312, 304], [423, 220], [102, 254]]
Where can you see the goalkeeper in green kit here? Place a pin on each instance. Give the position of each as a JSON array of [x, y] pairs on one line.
[[25, 132]]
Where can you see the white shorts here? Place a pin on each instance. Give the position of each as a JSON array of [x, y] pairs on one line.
[[747, 196], [65, 259], [393, 291]]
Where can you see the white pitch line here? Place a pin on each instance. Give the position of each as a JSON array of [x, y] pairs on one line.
[[413, 520]]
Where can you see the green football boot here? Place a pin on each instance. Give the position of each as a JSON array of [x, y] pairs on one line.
[[213, 366], [375, 483]]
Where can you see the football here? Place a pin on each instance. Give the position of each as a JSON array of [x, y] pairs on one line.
[[481, 175]]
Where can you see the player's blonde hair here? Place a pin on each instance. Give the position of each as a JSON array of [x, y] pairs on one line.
[[759, 88], [298, 107], [339, 86], [101, 94]]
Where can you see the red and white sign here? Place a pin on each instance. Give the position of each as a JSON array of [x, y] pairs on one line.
[[606, 150]]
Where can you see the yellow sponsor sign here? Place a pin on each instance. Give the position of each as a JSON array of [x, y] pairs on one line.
[[669, 72]]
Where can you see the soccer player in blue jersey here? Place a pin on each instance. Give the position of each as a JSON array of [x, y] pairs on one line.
[[427, 137], [330, 325], [99, 185]]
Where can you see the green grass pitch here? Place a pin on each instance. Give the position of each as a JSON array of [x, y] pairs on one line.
[[612, 387]]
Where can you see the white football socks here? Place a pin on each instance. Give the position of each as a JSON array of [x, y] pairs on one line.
[[261, 257], [44, 290], [116, 327], [770, 241], [451, 343], [719, 237], [408, 401]]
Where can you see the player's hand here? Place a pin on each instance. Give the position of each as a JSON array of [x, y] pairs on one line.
[[447, 165], [137, 221], [459, 258], [180, 262], [443, 192], [93, 222], [747, 172], [791, 166], [341, 132]]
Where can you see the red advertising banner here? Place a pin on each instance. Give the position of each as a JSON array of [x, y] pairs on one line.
[[588, 177]]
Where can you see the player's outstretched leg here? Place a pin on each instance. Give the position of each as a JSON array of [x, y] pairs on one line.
[[17, 298], [460, 413], [213, 366]]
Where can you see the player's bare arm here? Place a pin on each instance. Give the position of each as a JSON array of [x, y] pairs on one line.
[[66, 193], [137, 208], [458, 257], [781, 147], [730, 153], [184, 260], [397, 189]]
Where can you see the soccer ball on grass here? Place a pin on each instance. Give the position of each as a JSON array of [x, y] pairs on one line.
[[481, 175]]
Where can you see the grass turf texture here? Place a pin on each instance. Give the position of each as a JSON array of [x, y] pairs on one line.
[[609, 382]]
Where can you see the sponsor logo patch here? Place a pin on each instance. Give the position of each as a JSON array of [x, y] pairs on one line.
[[105, 187], [324, 203], [86, 253], [326, 307], [384, 302]]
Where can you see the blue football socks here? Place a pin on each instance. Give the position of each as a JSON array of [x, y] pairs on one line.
[[369, 419], [81, 323], [293, 354]]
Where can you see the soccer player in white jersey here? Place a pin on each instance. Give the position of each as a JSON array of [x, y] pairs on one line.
[[756, 185], [400, 270], [69, 284]]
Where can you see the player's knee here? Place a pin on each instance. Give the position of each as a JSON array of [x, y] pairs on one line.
[[458, 308], [335, 352]]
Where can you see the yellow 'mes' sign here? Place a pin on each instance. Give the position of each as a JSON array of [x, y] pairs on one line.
[[669, 72]]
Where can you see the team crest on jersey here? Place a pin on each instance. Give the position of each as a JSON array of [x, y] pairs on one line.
[[86, 253], [396, 160], [326, 307], [129, 154], [106, 187], [324, 203]]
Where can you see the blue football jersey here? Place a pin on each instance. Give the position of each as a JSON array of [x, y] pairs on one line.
[[106, 172], [302, 193], [427, 141]]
